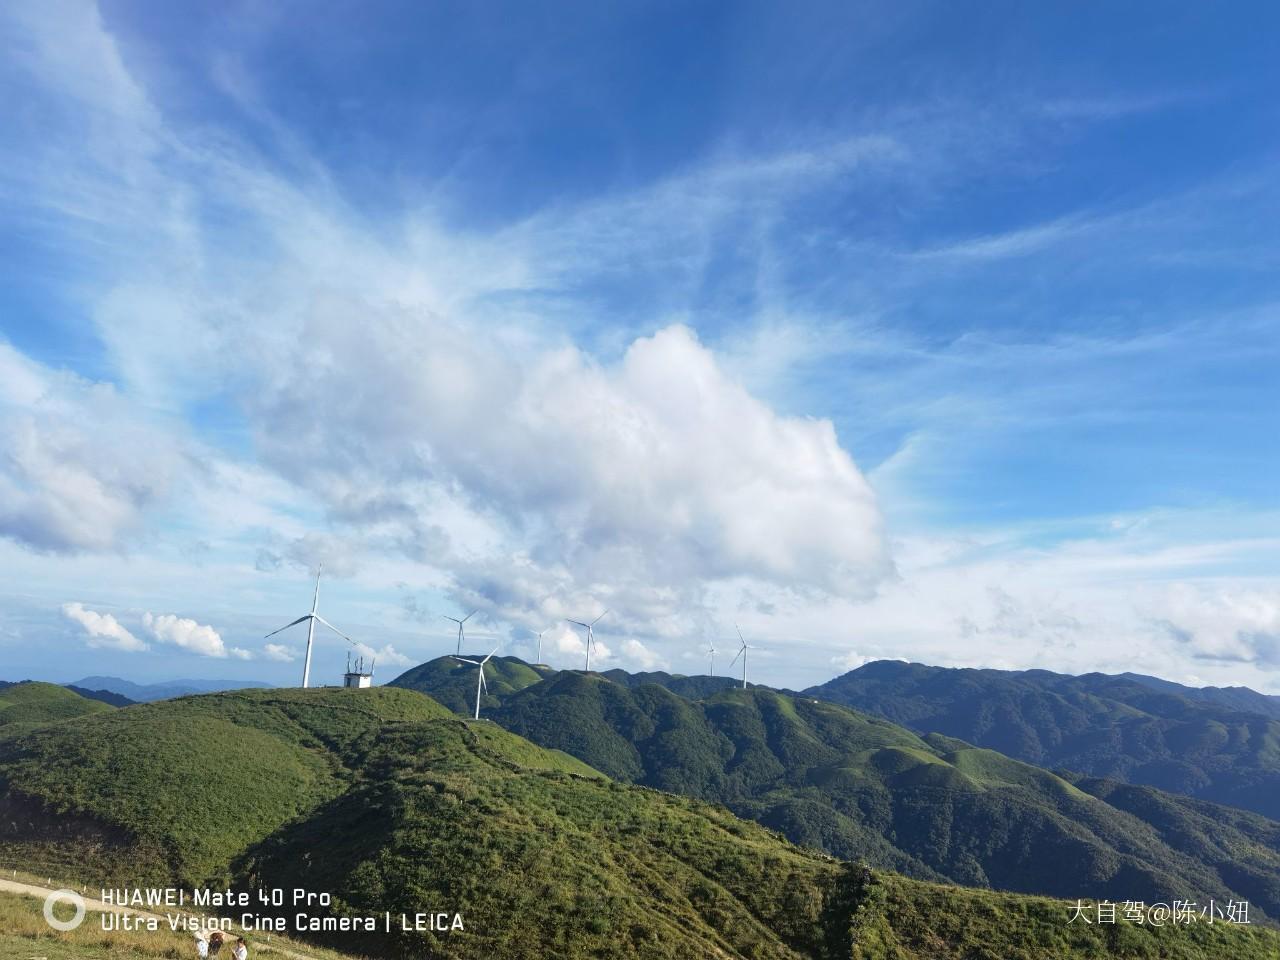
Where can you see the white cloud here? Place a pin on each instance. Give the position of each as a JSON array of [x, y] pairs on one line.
[[641, 657], [79, 466], [427, 394], [104, 630], [388, 656], [1224, 624], [196, 637]]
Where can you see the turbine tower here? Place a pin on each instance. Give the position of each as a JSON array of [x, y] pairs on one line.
[[742, 652], [539, 658], [480, 684], [460, 623], [591, 639], [711, 652], [312, 618]]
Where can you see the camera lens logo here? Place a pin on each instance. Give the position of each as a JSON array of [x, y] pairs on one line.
[[64, 896]]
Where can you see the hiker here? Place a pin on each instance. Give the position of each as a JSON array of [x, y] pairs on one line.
[[241, 952], [202, 947], [215, 943]]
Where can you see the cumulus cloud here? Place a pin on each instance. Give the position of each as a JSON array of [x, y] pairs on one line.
[[190, 635], [104, 630], [279, 652], [653, 473]]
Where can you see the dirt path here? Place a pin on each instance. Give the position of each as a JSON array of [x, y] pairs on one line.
[[97, 906]]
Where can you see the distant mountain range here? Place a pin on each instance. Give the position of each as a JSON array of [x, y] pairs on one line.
[[1201, 742], [863, 788], [147, 692]]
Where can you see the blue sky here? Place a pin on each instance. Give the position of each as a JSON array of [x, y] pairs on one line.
[[936, 331]]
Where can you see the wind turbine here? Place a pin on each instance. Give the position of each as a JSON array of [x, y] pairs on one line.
[[540, 633], [480, 684], [711, 651], [311, 619], [460, 623], [742, 652], [590, 635]]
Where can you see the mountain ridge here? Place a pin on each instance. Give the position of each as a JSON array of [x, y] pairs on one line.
[[859, 786], [1141, 731]]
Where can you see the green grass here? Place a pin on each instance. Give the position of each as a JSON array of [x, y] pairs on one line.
[[24, 706], [934, 807], [391, 803], [1221, 746]]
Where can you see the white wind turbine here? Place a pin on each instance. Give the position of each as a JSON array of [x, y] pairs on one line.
[[311, 619], [591, 639], [460, 623], [480, 684], [711, 651], [742, 652], [540, 633]]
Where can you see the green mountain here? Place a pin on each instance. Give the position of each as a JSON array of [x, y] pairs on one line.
[[388, 801], [106, 696], [1138, 730], [453, 684], [694, 688], [933, 807], [30, 703], [1240, 699], [391, 803]]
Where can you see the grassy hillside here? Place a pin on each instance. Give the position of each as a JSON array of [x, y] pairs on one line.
[[454, 684], [862, 788], [29, 704], [389, 802], [178, 788], [695, 687], [1197, 743]]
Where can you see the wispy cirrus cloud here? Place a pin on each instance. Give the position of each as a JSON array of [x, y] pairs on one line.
[[644, 398]]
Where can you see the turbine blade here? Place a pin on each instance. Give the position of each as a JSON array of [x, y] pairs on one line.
[[483, 683], [305, 616], [579, 623], [490, 657], [454, 619], [321, 619], [739, 629], [735, 659], [598, 619], [464, 660], [469, 616]]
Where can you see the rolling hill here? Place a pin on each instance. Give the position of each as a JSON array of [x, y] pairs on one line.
[[1135, 729], [453, 684], [31, 703], [859, 787], [391, 803]]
